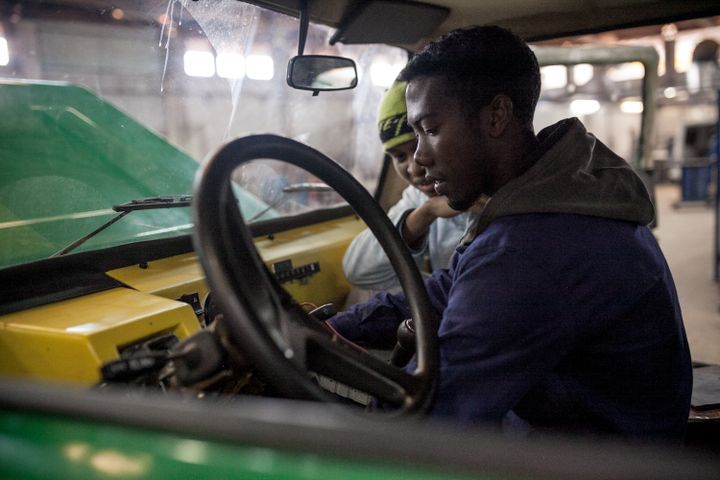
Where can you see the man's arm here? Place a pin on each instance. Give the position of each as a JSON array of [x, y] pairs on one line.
[[365, 263], [415, 228], [504, 329], [375, 322]]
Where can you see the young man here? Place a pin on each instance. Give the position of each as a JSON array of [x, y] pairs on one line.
[[559, 306], [425, 221]]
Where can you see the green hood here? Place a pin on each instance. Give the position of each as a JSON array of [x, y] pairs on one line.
[[67, 156]]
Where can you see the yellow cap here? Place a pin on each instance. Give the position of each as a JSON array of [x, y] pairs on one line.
[[392, 117]]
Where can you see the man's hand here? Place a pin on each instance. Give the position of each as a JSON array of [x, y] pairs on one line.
[[479, 204], [419, 220], [438, 207]]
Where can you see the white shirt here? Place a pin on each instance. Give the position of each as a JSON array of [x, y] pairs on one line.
[[366, 265]]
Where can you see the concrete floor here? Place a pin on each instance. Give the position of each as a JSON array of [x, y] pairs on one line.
[[686, 237]]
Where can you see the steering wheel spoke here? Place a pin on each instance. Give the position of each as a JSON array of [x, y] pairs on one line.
[[361, 370]]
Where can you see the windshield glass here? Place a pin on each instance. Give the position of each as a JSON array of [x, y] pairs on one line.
[[106, 103]]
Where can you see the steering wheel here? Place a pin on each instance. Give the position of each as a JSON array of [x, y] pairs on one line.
[[265, 324]]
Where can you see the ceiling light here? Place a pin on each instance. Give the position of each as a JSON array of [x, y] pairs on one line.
[[584, 107], [230, 65], [199, 63], [582, 73], [631, 106], [4, 52], [553, 76], [626, 71], [259, 67]]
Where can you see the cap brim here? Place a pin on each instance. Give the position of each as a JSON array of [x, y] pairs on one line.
[[399, 140]]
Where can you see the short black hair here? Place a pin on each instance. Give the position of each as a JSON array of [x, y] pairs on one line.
[[479, 63]]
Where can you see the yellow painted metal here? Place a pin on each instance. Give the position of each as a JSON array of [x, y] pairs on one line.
[[68, 341], [170, 277], [324, 243]]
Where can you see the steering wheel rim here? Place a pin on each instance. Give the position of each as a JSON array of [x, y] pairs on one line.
[[265, 323]]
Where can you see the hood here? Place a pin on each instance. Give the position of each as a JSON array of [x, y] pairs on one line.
[[575, 174]]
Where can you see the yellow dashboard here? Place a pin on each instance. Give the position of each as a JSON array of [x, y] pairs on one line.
[[68, 341]]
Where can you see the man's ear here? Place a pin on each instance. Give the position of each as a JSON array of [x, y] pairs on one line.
[[501, 112]]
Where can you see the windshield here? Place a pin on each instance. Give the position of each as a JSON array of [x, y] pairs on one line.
[[112, 102]]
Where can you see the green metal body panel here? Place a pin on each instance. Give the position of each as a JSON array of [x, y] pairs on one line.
[[35, 446], [66, 157]]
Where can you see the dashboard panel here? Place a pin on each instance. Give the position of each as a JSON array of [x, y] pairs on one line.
[[69, 340]]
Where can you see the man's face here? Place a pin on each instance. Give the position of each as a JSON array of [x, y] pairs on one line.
[[452, 150], [411, 172]]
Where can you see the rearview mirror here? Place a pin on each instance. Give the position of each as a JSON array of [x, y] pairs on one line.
[[321, 73]]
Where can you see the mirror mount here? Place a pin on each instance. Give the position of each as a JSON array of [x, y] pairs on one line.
[[304, 23], [302, 34]]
